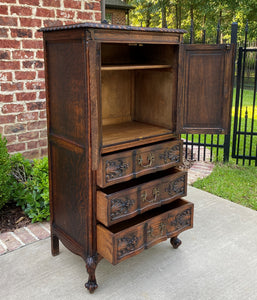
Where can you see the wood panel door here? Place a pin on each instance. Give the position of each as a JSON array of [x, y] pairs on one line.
[[205, 88]]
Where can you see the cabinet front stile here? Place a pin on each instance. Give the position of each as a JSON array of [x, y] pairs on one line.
[[94, 75]]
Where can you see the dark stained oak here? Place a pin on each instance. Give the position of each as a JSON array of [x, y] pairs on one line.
[[134, 67], [117, 99], [205, 92], [126, 239], [126, 165], [116, 206], [132, 134], [175, 242]]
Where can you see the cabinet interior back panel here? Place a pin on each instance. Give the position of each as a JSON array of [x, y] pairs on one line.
[[116, 54], [153, 97], [117, 96]]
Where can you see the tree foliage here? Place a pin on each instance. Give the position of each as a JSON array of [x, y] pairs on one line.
[[206, 15]]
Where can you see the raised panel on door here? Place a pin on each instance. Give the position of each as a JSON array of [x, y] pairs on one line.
[[205, 84]]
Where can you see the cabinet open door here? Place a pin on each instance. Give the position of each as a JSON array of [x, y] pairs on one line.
[[205, 86]]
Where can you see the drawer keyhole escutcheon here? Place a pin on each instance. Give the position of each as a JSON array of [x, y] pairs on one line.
[[150, 160]]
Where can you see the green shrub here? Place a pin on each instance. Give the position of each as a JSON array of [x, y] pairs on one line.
[[24, 182], [38, 199], [21, 174], [30, 189], [5, 170]]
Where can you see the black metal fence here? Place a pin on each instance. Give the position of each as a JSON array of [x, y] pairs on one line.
[[244, 147]]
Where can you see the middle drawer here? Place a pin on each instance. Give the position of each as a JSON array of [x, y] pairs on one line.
[[118, 206], [127, 165]]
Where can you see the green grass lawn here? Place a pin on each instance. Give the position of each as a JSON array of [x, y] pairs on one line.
[[232, 182]]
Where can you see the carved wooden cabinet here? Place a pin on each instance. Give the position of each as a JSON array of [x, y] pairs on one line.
[[117, 99]]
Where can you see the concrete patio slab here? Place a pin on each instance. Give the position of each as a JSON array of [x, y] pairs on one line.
[[217, 260]]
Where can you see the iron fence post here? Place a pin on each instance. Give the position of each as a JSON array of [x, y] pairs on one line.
[[234, 28]]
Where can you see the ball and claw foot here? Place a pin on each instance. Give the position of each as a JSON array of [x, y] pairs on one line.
[[91, 286], [175, 242], [91, 263]]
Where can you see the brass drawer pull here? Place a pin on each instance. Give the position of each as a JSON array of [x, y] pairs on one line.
[[150, 160], [156, 194]]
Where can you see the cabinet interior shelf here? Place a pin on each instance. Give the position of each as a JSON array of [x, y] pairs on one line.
[[133, 67], [117, 136]]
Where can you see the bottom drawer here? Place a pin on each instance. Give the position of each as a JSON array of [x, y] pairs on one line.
[[131, 237]]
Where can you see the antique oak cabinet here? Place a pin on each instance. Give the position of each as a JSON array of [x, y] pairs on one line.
[[118, 98]]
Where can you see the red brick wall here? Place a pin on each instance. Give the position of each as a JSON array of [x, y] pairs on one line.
[[22, 86]]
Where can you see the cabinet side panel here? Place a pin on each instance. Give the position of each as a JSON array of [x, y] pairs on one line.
[[69, 138], [66, 89], [69, 192]]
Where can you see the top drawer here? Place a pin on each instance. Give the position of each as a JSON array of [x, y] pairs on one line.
[[126, 165]]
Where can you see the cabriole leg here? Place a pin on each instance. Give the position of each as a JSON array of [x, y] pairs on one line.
[[91, 263], [175, 242]]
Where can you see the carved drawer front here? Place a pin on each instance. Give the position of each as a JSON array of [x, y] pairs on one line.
[[126, 165], [122, 205], [129, 238]]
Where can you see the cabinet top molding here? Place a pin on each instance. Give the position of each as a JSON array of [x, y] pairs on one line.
[[108, 26]]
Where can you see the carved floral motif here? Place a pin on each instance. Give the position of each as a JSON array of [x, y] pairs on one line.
[[183, 219], [176, 187], [120, 207], [127, 244], [114, 169], [171, 155]]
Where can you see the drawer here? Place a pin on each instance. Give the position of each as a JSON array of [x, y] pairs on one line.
[[118, 206], [129, 238], [126, 165]]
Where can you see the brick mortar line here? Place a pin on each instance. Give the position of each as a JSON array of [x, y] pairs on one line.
[[31, 233], [3, 245], [35, 7], [43, 18], [42, 225], [17, 238]]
